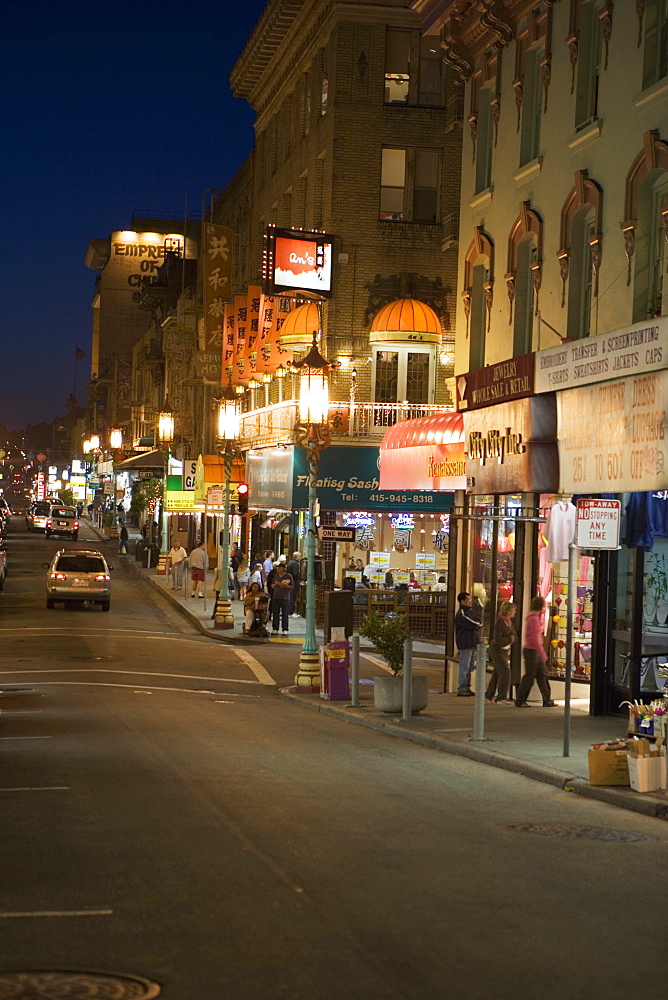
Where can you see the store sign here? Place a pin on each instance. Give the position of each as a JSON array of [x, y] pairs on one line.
[[216, 252], [498, 383], [189, 473], [180, 501], [512, 448], [598, 524], [380, 559], [360, 519], [632, 350], [430, 467], [270, 477], [215, 496], [613, 437]]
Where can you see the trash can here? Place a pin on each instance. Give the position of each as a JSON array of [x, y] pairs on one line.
[[334, 667], [149, 556], [338, 612], [139, 549]]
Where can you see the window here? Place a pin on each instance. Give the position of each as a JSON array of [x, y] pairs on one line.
[[524, 300], [655, 56], [305, 104], [589, 66], [532, 106], [409, 185], [478, 318], [403, 374], [404, 51], [580, 274], [650, 255], [484, 140]]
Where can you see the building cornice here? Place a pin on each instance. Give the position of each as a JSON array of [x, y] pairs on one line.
[[472, 27]]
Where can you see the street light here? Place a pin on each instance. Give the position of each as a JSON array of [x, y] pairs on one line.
[[165, 437], [228, 432], [312, 434], [115, 444]]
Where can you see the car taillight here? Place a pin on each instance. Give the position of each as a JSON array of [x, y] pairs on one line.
[[58, 576], [76, 525], [103, 576], [48, 522]]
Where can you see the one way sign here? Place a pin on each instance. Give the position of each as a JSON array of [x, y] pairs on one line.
[[336, 534], [598, 524]]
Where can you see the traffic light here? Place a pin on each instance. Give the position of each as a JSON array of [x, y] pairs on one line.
[[242, 498]]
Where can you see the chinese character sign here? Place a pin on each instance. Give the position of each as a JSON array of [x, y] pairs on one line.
[[253, 302], [217, 242]]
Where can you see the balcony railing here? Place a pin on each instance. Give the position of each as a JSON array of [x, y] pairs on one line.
[[275, 424]]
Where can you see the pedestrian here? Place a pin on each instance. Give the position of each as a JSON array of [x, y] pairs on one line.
[[156, 535], [294, 569], [237, 556], [242, 576], [281, 588], [268, 563], [199, 564], [216, 591], [467, 628], [255, 574], [176, 560], [535, 658], [123, 538], [250, 604], [503, 638], [413, 583]]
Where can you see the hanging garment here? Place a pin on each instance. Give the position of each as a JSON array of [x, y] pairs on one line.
[[560, 530], [646, 519]]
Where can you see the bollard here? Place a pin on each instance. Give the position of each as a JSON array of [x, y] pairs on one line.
[[408, 680], [480, 685], [355, 671]]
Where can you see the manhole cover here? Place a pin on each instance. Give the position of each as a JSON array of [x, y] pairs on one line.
[[578, 833], [74, 986]]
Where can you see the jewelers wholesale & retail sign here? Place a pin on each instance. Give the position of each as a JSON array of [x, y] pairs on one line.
[[613, 437], [631, 350]]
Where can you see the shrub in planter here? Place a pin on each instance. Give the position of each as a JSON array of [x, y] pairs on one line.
[[388, 635]]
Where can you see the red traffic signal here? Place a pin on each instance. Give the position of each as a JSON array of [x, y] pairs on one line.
[[242, 498]]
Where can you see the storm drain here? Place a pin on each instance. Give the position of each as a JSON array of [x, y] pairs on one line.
[[74, 986], [578, 833]]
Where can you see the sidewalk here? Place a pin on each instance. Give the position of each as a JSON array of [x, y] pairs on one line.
[[527, 742]]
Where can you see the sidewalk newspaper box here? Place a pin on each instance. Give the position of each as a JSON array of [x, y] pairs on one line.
[[334, 666]]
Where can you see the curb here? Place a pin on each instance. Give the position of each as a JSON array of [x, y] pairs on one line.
[[559, 779]]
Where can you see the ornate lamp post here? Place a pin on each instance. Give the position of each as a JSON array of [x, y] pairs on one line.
[[312, 434], [165, 437], [228, 432], [115, 444]]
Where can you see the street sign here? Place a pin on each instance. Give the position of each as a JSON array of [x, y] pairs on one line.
[[598, 524], [189, 470], [41, 457], [336, 534]]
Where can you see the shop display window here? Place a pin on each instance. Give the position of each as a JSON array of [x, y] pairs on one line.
[[654, 636], [559, 603]]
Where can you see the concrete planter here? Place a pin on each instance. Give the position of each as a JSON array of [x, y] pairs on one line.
[[388, 694]]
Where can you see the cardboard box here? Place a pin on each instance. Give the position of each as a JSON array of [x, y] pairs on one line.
[[647, 774], [608, 766]]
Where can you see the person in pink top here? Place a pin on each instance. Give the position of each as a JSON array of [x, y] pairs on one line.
[[535, 658]]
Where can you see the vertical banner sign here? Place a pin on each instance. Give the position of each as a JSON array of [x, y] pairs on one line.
[[274, 355], [241, 321], [253, 299], [228, 343], [266, 322], [216, 257]]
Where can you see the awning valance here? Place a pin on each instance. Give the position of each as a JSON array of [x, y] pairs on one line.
[[211, 472], [424, 454], [149, 460]]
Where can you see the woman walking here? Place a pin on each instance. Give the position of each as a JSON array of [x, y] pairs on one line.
[[535, 658], [499, 651]]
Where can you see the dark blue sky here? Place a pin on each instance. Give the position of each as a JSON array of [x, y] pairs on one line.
[[107, 108]]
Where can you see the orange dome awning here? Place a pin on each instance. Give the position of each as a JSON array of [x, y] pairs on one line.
[[406, 319], [297, 330]]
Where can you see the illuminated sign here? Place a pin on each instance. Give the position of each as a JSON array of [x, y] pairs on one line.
[[296, 260], [359, 519], [403, 521]]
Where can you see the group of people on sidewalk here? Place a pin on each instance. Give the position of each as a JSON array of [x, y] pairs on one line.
[[467, 637]]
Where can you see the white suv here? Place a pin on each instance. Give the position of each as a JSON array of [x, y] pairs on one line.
[[78, 575]]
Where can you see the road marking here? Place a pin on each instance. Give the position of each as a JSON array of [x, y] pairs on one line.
[[132, 673], [132, 686], [46, 788], [377, 661], [26, 737], [261, 674], [56, 913]]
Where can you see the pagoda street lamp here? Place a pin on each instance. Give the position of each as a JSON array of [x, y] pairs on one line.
[[313, 434], [165, 437], [115, 444], [228, 433]]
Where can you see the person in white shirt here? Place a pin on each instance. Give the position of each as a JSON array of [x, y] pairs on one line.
[[441, 585], [176, 559]]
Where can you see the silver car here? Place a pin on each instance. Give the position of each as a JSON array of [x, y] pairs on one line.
[[78, 575]]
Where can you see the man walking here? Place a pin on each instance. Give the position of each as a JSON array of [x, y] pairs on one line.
[[199, 564], [535, 658], [123, 538], [293, 568], [281, 589], [467, 629]]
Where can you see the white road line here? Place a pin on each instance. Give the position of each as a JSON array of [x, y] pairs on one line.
[[132, 673], [46, 788], [261, 674], [26, 737], [377, 661], [132, 686], [56, 913]]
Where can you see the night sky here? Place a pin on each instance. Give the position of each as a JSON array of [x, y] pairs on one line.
[[107, 108]]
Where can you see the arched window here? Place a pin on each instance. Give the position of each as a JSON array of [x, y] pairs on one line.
[[523, 280], [580, 253], [478, 295], [655, 54], [646, 210]]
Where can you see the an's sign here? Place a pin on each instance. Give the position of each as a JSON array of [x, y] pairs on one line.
[[295, 259], [598, 524], [613, 437], [632, 350], [497, 383]]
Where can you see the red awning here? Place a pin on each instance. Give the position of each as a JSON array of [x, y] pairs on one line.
[[424, 454]]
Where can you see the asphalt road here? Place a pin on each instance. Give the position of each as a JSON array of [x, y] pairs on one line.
[[165, 815]]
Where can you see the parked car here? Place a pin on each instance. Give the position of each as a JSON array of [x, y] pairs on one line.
[[62, 521], [39, 516], [3, 564], [78, 575]]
